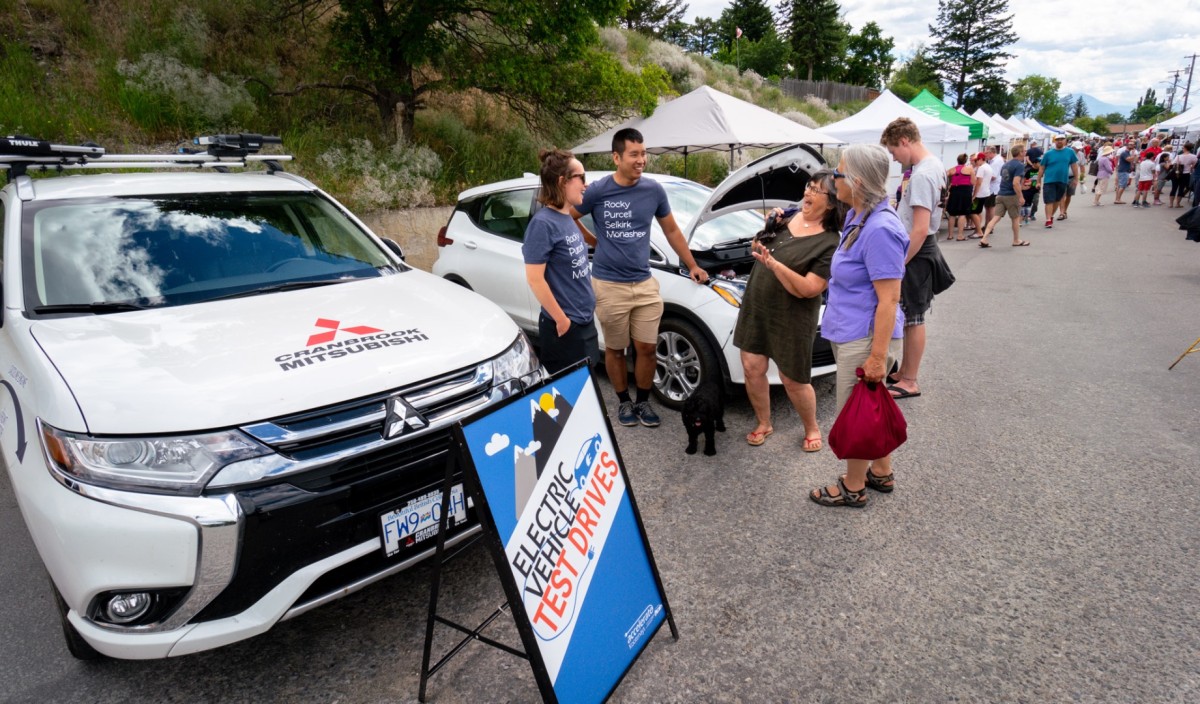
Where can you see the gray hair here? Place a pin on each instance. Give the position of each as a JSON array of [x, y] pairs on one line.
[[867, 171]]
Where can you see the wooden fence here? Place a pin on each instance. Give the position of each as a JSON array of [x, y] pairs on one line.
[[833, 93]]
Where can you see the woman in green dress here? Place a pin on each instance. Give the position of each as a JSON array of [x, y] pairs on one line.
[[778, 317]]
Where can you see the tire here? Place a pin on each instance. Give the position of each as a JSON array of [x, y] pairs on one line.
[[76, 645], [454, 278], [684, 360]]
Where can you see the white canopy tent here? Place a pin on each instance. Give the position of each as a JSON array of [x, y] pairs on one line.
[[997, 133], [1071, 129], [945, 140], [1187, 121], [708, 120], [1018, 128], [1035, 130]]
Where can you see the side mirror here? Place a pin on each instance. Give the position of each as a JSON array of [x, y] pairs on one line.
[[395, 247]]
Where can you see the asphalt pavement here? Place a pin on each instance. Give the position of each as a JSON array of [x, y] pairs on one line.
[[1041, 545]]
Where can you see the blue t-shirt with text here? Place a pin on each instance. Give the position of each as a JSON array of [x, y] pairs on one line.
[[1013, 168], [553, 239], [621, 217]]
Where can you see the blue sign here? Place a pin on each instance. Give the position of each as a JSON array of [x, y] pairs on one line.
[[584, 588]]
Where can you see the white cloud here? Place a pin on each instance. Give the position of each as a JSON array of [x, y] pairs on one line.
[[498, 443], [533, 447]]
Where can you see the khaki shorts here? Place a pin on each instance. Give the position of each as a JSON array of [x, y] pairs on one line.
[[1007, 204], [628, 310], [850, 356]]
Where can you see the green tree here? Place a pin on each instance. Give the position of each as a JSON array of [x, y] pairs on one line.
[[1093, 124], [1079, 109], [992, 95], [970, 39], [915, 74], [1113, 118], [816, 35], [541, 57], [1147, 108], [766, 57], [869, 57], [703, 37], [652, 17], [753, 17], [1037, 96]]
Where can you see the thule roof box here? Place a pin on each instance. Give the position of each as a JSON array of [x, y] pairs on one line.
[[221, 152]]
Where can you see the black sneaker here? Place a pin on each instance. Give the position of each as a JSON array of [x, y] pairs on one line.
[[646, 415], [625, 414]]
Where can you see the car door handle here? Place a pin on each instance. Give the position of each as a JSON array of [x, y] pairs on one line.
[[470, 244]]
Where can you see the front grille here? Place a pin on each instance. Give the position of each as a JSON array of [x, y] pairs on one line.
[[822, 352], [351, 476]]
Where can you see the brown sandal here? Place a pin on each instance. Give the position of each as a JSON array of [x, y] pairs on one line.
[[850, 499], [885, 484]]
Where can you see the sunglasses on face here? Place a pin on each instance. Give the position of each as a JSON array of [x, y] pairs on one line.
[[838, 174], [582, 177]]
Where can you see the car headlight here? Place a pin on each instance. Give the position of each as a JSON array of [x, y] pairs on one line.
[[177, 464], [517, 362], [730, 291]]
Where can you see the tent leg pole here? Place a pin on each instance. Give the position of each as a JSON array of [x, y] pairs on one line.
[[685, 154]]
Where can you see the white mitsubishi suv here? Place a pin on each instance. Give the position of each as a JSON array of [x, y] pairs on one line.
[[480, 249], [225, 401]]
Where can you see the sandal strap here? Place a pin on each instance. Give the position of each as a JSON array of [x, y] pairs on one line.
[[851, 496]]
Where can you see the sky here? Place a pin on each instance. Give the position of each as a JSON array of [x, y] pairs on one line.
[[1095, 47]]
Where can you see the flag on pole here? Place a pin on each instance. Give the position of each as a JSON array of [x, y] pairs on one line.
[[739, 32]]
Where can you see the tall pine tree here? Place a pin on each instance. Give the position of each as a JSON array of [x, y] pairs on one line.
[[753, 17], [653, 16], [970, 39], [816, 33]]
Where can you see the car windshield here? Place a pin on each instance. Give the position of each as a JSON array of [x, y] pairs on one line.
[[172, 250], [687, 198]]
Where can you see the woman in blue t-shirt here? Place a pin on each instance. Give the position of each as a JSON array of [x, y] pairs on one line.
[[557, 266]]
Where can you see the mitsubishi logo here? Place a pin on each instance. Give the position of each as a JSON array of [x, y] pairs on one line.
[[401, 418], [334, 326]]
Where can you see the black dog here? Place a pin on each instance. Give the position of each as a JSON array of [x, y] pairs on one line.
[[704, 412]]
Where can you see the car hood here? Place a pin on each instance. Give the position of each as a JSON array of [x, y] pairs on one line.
[[228, 363], [775, 180]]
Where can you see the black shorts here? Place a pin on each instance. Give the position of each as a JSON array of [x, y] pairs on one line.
[[558, 353], [981, 203], [1053, 192]]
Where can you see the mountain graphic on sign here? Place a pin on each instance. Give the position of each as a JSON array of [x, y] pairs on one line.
[[548, 414]]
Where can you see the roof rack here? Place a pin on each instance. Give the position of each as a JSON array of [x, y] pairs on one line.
[[19, 154]]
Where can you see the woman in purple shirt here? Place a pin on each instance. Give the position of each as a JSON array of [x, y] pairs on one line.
[[862, 319]]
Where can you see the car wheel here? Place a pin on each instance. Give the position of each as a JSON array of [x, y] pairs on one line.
[[683, 361], [460, 281], [78, 647]]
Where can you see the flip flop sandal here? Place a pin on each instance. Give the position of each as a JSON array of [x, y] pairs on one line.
[[1022, 243], [885, 484], [985, 245], [758, 437], [898, 392], [809, 442], [847, 498]]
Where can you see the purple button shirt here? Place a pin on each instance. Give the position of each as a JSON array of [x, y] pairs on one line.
[[877, 254]]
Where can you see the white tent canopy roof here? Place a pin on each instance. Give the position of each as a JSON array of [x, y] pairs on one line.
[[1071, 129], [1187, 119], [1018, 128], [996, 131], [866, 126], [709, 120]]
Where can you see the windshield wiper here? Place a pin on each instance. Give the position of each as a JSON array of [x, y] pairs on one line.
[[97, 307], [286, 286]]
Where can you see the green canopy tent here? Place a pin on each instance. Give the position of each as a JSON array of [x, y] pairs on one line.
[[929, 104]]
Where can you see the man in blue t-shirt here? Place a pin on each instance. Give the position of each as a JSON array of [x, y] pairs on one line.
[[1010, 199], [1058, 168], [628, 304]]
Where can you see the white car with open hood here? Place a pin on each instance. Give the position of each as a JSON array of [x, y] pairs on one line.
[[480, 249], [225, 401]]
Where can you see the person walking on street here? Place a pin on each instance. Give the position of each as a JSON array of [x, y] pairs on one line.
[[862, 320], [1059, 166], [996, 160], [1185, 164], [1126, 166], [1145, 176], [985, 199], [557, 267], [920, 212], [960, 202], [1162, 170], [1104, 172], [628, 304], [1009, 200]]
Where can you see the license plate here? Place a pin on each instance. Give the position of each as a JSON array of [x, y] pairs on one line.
[[418, 520]]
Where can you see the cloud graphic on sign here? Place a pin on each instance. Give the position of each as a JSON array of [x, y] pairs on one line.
[[533, 447], [498, 443]]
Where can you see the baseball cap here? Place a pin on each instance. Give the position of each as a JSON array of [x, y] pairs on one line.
[[980, 157], [1060, 136]]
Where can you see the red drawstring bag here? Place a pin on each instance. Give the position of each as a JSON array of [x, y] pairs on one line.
[[870, 425]]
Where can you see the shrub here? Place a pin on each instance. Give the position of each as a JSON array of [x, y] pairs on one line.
[[400, 176], [803, 119], [613, 40], [161, 93], [686, 74]]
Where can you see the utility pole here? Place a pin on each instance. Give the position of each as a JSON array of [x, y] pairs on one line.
[[1187, 91], [1171, 92]]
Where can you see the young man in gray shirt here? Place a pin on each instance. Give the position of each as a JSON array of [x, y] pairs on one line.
[[921, 212]]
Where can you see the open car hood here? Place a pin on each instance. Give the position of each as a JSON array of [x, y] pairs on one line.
[[775, 180]]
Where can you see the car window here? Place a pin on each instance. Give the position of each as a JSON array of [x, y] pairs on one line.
[[173, 250], [506, 213], [686, 201]]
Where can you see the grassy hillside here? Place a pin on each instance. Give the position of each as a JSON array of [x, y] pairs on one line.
[[148, 74]]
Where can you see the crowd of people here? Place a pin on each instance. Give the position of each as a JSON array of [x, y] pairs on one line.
[[879, 263]]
